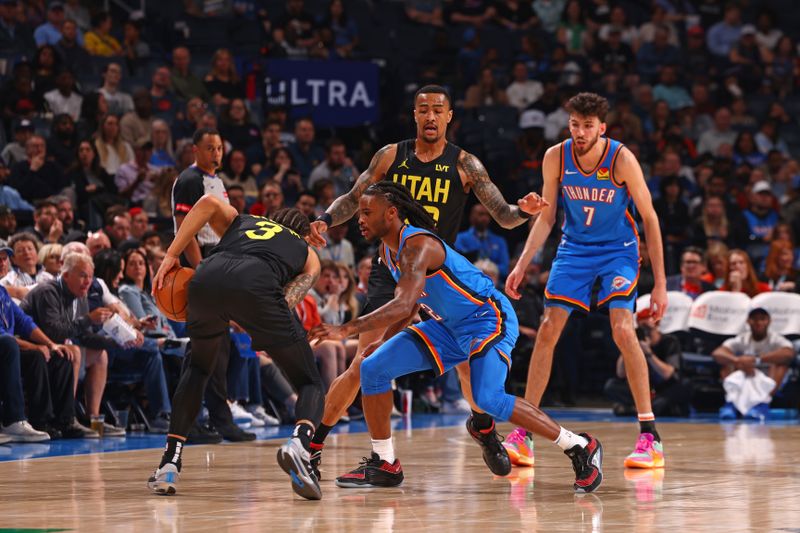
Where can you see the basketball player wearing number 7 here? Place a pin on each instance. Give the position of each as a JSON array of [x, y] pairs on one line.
[[599, 181]]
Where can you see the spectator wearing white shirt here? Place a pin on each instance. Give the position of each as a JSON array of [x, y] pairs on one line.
[[754, 365], [63, 99], [25, 267], [556, 122], [522, 92], [767, 35]]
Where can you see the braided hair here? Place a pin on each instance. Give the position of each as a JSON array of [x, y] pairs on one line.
[[400, 197], [293, 219]]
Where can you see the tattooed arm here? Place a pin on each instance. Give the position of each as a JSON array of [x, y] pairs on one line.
[[296, 289], [344, 207], [420, 254], [473, 174]]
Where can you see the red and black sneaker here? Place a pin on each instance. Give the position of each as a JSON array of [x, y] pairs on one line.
[[494, 454], [316, 458], [588, 464], [372, 472]]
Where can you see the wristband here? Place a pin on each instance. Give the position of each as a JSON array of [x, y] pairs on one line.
[[758, 360], [326, 218], [523, 215]]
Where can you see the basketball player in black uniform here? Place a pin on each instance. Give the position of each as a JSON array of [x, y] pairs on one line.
[[193, 183], [255, 276], [439, 175]]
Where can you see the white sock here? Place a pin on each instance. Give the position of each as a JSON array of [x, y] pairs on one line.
[[567, 439], [384, 449]]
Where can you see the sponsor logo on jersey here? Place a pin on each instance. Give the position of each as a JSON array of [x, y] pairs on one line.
[[619, 282], [602, 173]]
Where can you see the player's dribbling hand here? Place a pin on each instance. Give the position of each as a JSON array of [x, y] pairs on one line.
[[658, 303], [169, 262], [532, 203], [315, 238], [512, 283], [326, 332]]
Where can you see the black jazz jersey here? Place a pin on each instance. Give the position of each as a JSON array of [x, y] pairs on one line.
[[283, 250], [436, 185]]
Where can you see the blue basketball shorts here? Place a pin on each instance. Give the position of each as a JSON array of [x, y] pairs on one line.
[[485, 339], [577, 266]]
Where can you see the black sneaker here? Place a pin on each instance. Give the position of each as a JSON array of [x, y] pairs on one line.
[[494, 454], [234, 433], [202, 434], [372, 472], [316, 458], [588, 464]]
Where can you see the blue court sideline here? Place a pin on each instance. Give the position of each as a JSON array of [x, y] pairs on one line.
[[16, 451]]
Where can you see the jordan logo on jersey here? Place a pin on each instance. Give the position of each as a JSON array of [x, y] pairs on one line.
[[618, 282], [404, 164]]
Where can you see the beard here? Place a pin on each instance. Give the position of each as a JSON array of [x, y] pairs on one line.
[[589, 145]]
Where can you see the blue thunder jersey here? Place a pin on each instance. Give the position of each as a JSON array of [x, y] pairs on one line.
[[597, 208], [454, 291]]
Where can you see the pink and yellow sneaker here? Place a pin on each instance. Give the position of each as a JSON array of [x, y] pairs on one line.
[[649, 453], [519, 447]]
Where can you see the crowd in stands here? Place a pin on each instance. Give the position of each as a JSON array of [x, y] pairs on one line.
[[98, 110]]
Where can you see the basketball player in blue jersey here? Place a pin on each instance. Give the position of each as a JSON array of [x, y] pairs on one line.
[[471, 322], [598, 182], [439, 176]]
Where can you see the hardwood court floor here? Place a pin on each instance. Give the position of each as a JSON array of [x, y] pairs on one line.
[[733, 477]]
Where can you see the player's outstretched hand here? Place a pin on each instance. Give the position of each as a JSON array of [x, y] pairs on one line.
[[169, 262], [326, 332], [512, 282], [658, 303], [532, 203], [315, 238]]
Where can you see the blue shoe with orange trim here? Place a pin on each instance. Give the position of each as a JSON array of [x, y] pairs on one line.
[[649, 453]]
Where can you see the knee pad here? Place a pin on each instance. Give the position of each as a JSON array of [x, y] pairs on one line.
[[372, 377], [495, 402]]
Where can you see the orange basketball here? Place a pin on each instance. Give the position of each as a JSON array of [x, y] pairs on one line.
[[173, 297]]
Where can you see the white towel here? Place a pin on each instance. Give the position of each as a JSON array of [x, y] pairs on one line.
[[744, 391]]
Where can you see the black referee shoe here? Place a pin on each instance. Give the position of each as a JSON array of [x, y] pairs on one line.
[[202, 434], [494, 454], [372, 472]]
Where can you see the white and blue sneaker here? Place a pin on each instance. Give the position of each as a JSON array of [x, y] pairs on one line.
[[164, 480], [296, 461]]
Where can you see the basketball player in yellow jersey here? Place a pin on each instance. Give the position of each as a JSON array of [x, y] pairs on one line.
[[439, 176], [600, 183]]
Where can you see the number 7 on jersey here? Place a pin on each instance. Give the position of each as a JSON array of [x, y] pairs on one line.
[[589, 214]]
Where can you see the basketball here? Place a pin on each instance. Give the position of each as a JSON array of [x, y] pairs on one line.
[[173, 296]]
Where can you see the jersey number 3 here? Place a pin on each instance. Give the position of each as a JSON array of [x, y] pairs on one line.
[[267, 230], [589, 215]]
